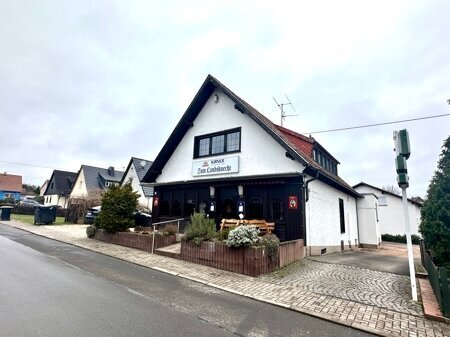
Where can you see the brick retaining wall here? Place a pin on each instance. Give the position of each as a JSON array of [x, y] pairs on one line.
[[135, 240]]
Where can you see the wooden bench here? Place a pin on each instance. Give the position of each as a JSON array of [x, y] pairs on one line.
[[264, 227], [227, 223]]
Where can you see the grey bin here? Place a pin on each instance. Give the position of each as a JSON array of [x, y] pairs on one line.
[[6, 212], [44, 215]]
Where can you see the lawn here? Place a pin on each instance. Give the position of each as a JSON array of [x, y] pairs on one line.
[[29, 219]]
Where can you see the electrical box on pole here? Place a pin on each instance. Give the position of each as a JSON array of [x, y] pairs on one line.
[[403, 151]]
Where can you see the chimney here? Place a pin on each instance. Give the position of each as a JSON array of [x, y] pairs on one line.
[[111, 171]]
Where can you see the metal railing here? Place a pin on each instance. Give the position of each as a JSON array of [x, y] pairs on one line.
[[438, 280], [164, 222]]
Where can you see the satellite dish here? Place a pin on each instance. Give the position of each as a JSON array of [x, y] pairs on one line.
[[143, 163]]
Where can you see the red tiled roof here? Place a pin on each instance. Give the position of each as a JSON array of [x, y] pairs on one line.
[[10, 182]]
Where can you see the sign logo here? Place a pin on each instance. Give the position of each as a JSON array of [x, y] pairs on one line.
[[293, 202]]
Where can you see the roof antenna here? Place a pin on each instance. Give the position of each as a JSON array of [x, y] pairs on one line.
[[281, 106]]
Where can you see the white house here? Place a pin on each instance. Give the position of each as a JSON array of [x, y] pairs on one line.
[[135, 172], [390, 210], [92, 179], [58, 188], [225, 158], [368, 221]]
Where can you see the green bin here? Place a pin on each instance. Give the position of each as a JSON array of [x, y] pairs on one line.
[[44, 215], [6, 212]]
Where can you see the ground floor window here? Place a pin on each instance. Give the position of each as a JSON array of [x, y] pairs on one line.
[[342, 215]]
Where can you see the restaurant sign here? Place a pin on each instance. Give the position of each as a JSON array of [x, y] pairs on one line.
[[217, 165]]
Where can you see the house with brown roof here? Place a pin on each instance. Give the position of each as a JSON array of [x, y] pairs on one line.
[[226, 159], [10, 186]]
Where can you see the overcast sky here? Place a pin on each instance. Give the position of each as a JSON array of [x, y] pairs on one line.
[[96, 82]]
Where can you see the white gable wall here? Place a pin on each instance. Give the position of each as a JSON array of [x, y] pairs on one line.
[[258, 149], [392, 220], [136, 185], [323, 225], [79, 189], [368, 220]]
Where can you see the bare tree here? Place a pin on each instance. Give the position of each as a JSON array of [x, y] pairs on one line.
[[392, 189]]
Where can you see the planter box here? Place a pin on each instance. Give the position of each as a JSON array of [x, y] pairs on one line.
[[135, 240], [248, 261]]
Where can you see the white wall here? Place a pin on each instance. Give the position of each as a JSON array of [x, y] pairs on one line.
[[392, 220], [136, 185], [79, 188], [323, 220], [369, 225], [55, 200], [260, 153]]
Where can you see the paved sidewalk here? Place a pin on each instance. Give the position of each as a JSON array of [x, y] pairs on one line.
[[333, 292]]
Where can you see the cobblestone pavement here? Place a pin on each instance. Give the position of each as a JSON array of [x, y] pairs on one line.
[[274, 289], [380, 289]]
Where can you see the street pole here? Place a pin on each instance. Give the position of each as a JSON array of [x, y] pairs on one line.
[[412, 273]]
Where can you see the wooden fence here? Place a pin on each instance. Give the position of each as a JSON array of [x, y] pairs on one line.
[[438, 280], [135, 240], [291, 251], [252, 261]]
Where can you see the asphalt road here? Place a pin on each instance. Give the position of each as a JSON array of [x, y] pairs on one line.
[[48, 288]]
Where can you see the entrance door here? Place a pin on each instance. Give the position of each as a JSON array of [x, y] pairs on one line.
[[226, 203]]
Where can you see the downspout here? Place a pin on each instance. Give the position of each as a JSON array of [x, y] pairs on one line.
[[305, 186]]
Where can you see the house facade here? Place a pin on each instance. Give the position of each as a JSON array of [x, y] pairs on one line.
[[390, 210], [91, 179], [10, 186], [135, 172], [58, 188], [227, 160]]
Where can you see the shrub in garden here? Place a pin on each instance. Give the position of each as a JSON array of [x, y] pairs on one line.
[[223, 234], [200, 229], [243, 236], [118, 207], [272, 245], [169, 229], [90, 231], [415, 239]]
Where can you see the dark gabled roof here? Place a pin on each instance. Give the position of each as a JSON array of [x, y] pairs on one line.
[[412, 200], [10, 182], [141, 166], [62, 183], [93, 175], [278, 133]]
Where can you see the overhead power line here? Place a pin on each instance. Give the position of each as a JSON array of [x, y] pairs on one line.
[[372, 125], [25, 164]]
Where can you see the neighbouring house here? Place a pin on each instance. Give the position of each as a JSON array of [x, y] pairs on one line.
[[390, 210], [10, 186], [225, 158], [135, 172], [59, 187], [43, 188], [92, 179]]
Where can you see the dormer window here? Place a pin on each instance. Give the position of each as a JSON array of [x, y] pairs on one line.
[[325, 161], [228, 141]]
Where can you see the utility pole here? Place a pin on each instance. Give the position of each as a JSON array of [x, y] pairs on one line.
[[403, 151]]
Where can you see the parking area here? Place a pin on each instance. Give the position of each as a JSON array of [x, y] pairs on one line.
[[376, 277], [390, 257]]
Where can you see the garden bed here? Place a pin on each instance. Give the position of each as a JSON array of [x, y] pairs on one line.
[[135, 240], [252, 261]]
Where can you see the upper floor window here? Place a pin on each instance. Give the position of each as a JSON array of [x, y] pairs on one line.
[[323, 160], [217, 143]]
